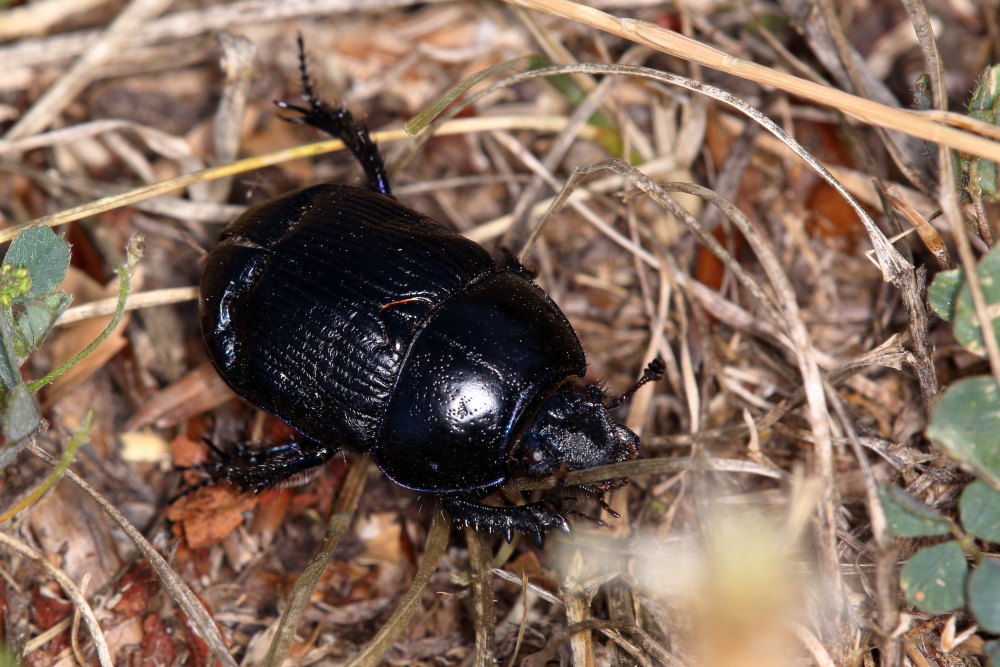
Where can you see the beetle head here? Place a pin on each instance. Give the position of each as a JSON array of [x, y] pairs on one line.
[[573, 431]]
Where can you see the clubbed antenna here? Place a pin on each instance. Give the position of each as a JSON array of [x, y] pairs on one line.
[[340, 124], [654, 371]]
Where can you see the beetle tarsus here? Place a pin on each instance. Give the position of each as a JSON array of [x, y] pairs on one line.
[[340, 124], [608, 508], [532, 519]]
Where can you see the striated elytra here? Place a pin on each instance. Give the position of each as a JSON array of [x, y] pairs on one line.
[[367, 326]]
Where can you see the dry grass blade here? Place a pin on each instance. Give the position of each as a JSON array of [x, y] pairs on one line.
[[238, 63], [110, 203], [651, 467], [612, 629], [74, 594], [65, 90], [484, 613], [179, 590], [375, 650], [298, 600], [148, 299], [668, 41]]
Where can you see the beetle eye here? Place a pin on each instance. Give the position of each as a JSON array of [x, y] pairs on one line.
[[536, 458]]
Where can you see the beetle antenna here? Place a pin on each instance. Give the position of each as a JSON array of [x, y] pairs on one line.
[[340, 124], [654, 371]]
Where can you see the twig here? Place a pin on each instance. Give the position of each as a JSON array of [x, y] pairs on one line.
[[68, 86], [74, 594], [484, 618], [375, 650], [182, 594], [343, 513], [675, 44]]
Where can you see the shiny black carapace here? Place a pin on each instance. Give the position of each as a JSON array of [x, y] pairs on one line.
[[367, 326]]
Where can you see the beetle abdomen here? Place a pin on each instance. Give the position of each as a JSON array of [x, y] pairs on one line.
[[310, 301], [483, 359]]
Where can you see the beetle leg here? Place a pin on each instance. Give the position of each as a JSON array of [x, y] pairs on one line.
[[340, 124], [533, 519], [258, 469]]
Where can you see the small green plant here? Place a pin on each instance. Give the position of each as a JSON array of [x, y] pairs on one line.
[[978, 178], [937, 578], [966, 422], [981, 177], [34, 265]]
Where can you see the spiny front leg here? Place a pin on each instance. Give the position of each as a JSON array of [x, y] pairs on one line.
[[339, 123], [533, 519]]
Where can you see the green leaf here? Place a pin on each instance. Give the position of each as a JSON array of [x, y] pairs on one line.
[[934, 578], [943, 292], [20, 417], [980, 510], [908, 517], [46, 257], [10, 373], [966, 325], [966, 423], [992, 649], [35, 323], [979, 174], [985, 101], [984, 595]]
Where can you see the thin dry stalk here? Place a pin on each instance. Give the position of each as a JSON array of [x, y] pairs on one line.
[[75, 595], [69, 85], [373, 653], [458, 126], [238, 65], [675, 44], [484, 617], [179, 590], [340, 521]]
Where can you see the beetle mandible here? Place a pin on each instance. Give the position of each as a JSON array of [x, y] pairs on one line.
[[367, 326]]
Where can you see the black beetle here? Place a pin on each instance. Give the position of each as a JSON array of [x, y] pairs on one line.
[[367, 326]]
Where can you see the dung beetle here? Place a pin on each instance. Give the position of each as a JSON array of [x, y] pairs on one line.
[[367, 326]]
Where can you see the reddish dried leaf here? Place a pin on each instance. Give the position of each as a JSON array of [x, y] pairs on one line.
[[708, 269], [208, 515], [832, 216], [188, 452], [528, 566], [49, 609], [198, 651], [137, 588], [157, 646]]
